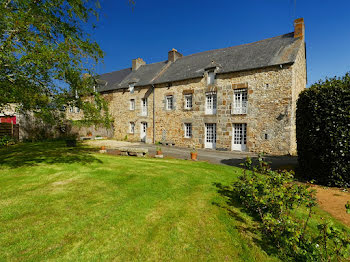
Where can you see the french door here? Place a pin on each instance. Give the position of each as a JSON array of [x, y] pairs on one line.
[[239, 137], [210, 136], [143, 131]]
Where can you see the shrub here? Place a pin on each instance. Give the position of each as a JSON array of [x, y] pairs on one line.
[[6, 141], [273, 197], [323, 137]]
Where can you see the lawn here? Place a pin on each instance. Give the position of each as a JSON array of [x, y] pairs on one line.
[[74, 204]]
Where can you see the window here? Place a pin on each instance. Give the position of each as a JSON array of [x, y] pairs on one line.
[[132, 104], [77, 109], [188, 130], [210, 78], [169, 103], [71, 109], [188, 101], [132, 127], [131, 88], [210, 103], [144, 106], [240, 102]]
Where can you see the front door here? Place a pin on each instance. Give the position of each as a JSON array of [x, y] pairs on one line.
[[210, 136], [239, 137], [143, 131]]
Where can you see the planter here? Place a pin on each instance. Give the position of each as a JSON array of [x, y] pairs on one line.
[[103, 147], [194, 155], [71, 142], [159, 152]]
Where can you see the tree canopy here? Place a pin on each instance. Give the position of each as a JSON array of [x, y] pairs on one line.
[[45, 49]]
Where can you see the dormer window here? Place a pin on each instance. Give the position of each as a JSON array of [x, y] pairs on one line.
[[210, 78], [131, 88]]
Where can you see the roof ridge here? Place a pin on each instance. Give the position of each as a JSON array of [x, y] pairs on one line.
[[217, 49], [114, 71]]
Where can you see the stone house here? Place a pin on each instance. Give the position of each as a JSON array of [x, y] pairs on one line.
[[237, 98]]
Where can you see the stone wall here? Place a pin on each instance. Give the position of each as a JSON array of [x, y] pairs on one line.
[[300, 79], [122, 115], [269, 112]]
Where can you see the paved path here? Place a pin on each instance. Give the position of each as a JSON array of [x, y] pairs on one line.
[[212, 156], [230, 158]]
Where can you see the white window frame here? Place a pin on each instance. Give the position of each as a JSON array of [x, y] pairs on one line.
[[144, 105], [77, 110], [240, 102], [210, 103], [211, 78], [188, 101], [132, 127], [188, 130], [71, 109], [169, 102], [131, 88], [132, 104]]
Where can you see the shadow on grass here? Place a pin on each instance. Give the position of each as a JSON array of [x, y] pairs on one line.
[[248, 229], [31, 154], [275, 162]]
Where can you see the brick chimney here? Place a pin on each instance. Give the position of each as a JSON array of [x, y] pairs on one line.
[[299, 28], [136, 63], [173, 55]]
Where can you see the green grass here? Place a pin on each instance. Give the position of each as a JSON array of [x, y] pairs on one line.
[[73, 204]]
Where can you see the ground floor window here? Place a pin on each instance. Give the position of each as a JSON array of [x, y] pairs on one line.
[[132, 127], [188, 130], [239, 137]]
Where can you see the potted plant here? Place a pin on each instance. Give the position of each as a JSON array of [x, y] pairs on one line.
[[103, 147], [159, 150], [194, 154], [89, 134]]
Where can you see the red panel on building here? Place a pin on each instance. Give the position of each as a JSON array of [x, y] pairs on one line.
[[8, 119]]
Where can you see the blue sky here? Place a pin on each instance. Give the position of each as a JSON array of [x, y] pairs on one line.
[[152, 27]]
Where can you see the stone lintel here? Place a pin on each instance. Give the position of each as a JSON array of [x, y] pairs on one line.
[[240, 85], [187, 92], [210, 119], [211, 88]]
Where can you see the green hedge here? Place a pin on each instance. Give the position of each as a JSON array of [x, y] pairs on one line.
[[323, 131]]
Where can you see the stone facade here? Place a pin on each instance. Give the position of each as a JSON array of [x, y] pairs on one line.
[[270, 120]]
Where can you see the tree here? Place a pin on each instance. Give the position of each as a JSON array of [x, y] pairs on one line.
[[45, 50]]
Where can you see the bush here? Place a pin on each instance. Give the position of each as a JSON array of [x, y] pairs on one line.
[[273, 197], [6, 141], [323, 136]]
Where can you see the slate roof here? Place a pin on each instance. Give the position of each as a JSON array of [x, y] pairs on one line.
[[107, 81], [273, 51]]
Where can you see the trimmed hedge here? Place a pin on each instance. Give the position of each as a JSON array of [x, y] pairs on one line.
[[323, 131]]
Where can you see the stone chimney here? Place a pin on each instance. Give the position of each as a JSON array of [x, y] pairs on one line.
[[173, 55], [136, 63], [299, 28]]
